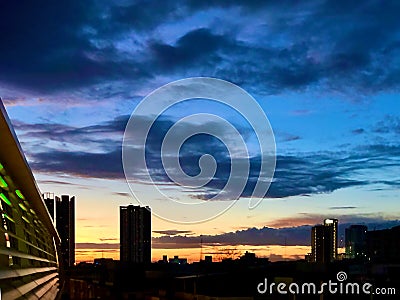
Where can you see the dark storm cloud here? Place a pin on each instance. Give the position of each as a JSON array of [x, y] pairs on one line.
[[108, 239], [391, 125], [264, 236], [301, 175], [306, 174], [286, 137], [290, 236], [331, 43], [121, 194], [297, 174], [342, 207], [63, 183], [56, 182], [45, 48], [80, 164], [140, 15], [373, 220], [105, 163], [316, 51], [299, 235], [173, 232], [97, 246], [106, 135], [197, 48], [358, 131], [352, 48]]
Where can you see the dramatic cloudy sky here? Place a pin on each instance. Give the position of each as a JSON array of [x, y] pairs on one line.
[[326, 73]]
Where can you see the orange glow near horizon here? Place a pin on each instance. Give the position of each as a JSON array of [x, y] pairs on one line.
[[273, 252]]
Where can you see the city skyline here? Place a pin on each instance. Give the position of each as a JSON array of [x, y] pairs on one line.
[[325, 73]]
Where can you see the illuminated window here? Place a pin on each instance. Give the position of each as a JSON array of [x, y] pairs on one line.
[[19, 194], [3, 183], [5, 199]]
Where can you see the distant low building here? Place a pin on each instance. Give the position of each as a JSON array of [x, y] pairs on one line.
[[103, 261], [208, 259], [248, 257], [164, 260], [178, 260]]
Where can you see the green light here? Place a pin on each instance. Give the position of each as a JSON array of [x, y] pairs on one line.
[[8, 217], [1, 167], [22, 207], [5, 199], [25, 219], [3, 183], [19, 194]]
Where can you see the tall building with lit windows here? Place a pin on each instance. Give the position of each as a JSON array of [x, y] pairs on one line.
[[135, 234], [317, 243], [332, 235], [324, 241], [28, 238]]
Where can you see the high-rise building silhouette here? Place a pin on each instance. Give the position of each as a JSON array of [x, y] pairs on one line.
[[356, 242], [49, 200], [62, 210], [135, 234], [332, 234], [317, 243], [324, 241]]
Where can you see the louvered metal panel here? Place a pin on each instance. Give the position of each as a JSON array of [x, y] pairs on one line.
[[28, 238]]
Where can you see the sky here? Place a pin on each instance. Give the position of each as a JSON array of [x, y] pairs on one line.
[[325, 73]]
